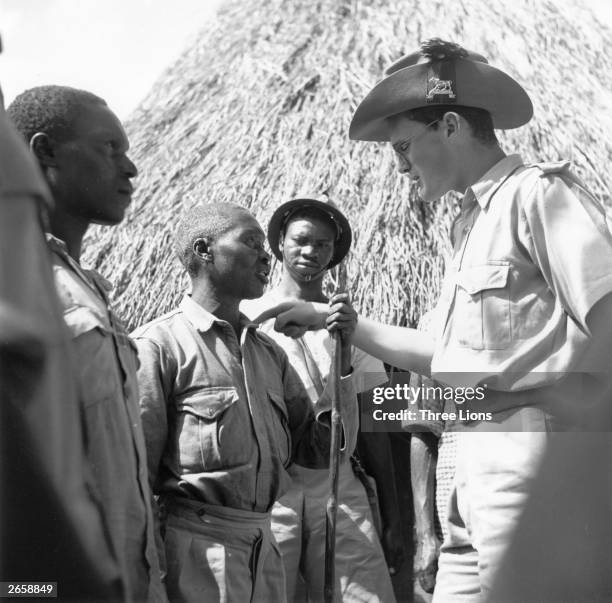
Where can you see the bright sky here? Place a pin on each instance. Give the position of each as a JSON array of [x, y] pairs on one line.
[[114, 48]]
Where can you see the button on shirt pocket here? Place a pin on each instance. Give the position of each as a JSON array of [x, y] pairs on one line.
[[280, 422], [202, 419], [482, 310]]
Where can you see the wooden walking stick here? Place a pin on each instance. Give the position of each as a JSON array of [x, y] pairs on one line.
[[334, 454]]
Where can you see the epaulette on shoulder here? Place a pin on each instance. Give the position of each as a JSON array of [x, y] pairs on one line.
[[580, 190], [552, 167], [153, 325], [561, 169]]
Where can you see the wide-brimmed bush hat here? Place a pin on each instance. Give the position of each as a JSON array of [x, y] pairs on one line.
[[441, 73], [327, 209]]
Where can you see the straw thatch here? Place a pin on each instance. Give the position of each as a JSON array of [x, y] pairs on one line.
[[257, 110]]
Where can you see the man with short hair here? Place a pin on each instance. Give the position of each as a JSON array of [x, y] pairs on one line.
[[525, 305], [311, 236], [81, 148], [225, 414], [46, 504]]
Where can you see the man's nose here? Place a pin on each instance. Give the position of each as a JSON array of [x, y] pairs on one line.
[[129, 168], [309, 251], [403, 165]]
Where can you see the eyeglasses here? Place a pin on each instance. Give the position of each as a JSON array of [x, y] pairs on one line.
[[403, 146]]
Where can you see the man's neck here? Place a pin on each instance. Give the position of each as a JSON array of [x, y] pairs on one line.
[[303, 290], [70, 230], [206, 295], [477, 164]]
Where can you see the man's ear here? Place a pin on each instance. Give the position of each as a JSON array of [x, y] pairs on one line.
[[201, 248], [43, 148], [281, 241], [451, 123]]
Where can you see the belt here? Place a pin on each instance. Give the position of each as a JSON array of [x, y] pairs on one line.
[[188, 507]]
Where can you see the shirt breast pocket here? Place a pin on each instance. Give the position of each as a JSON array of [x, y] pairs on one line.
[[281, 430], [94, 355], [202, 419], [481, 319]]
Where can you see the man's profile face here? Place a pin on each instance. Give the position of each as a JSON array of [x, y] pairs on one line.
[[92, 175], [421, 154], [308, 246], [240, 265]]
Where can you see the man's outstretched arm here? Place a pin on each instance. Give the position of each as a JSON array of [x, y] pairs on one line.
[[402, 347]]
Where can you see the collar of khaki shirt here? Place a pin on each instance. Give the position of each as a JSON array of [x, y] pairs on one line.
[[203, 320], [99, 284], [487, 186]]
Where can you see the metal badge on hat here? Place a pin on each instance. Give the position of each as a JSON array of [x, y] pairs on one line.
[[441, 83], [440, 87]]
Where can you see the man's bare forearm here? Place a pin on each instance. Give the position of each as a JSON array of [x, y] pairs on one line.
[[402, 347]]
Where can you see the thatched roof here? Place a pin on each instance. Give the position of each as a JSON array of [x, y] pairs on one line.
[[258, 109]]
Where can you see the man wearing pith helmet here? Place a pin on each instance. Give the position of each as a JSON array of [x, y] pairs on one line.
[[525, 302], [310, 236]]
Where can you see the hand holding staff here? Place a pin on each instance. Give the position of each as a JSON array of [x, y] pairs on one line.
[[340, 322]]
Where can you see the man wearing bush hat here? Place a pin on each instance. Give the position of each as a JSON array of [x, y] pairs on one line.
[[525, 303]]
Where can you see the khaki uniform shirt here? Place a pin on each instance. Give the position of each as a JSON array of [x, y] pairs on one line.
[[225, 416], [106, 362], [532, 255], [51, 525]]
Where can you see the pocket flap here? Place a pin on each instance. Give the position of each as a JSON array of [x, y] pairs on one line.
[[81, 319], [207, 404], [279, 402], [480, 278]]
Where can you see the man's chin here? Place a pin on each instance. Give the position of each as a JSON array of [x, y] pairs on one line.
[[109, 220], [308, 274], [254, 294], [429, 196]]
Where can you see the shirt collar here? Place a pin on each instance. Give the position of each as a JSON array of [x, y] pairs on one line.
[[203, 320], [88, 275], [484, 189]]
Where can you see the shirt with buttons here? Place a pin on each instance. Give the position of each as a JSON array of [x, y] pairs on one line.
[[106, 362], [225, 415], [532, 255]]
